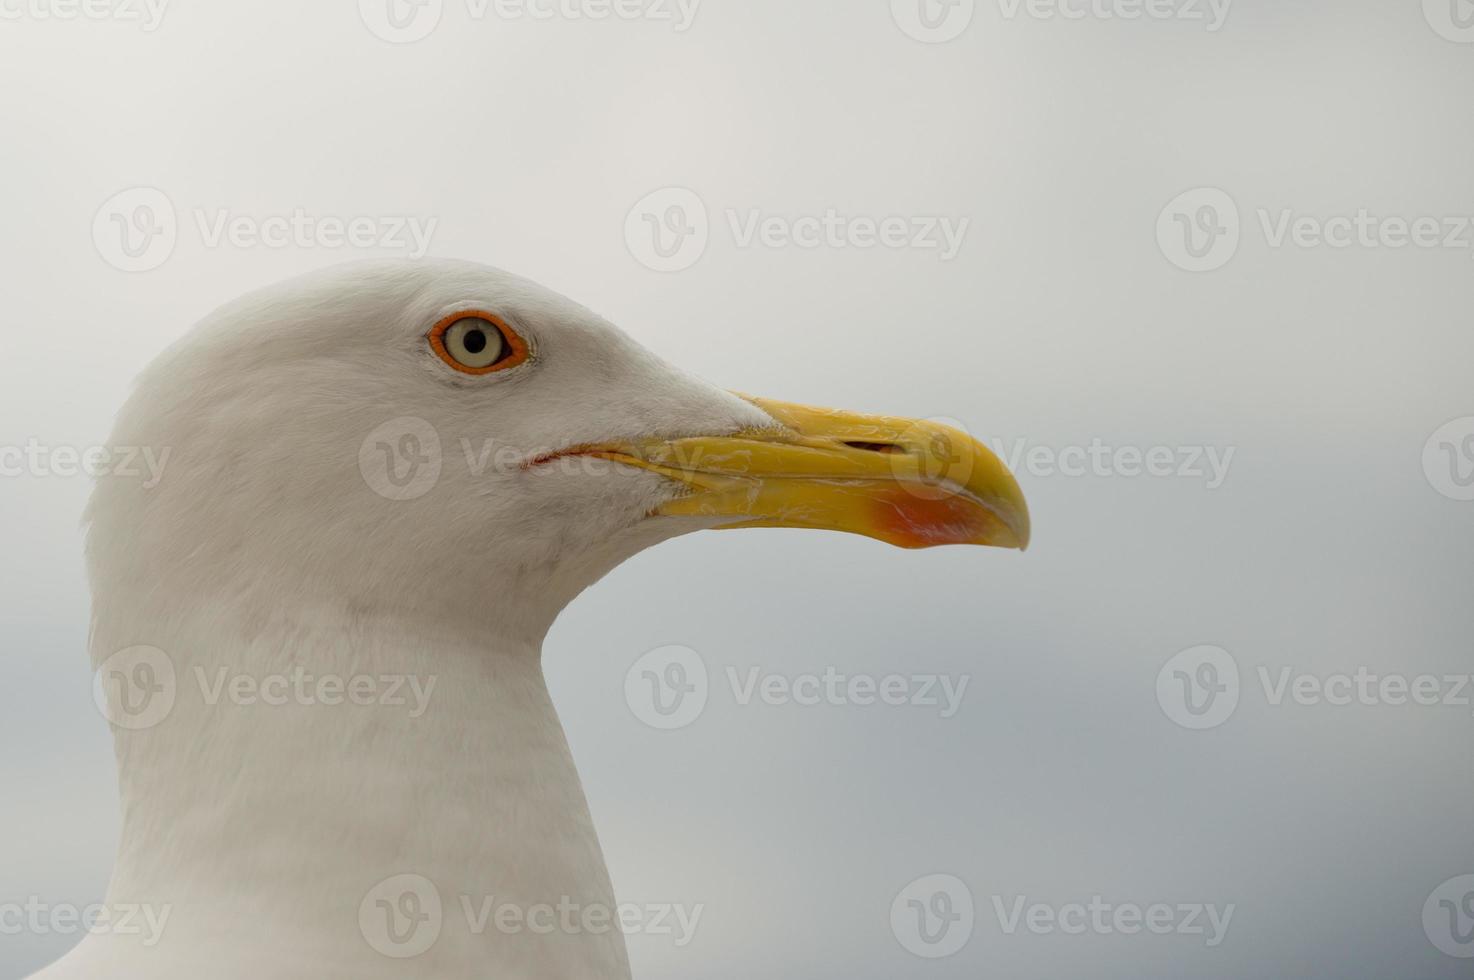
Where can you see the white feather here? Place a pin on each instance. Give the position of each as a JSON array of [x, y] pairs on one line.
[[263, 550]]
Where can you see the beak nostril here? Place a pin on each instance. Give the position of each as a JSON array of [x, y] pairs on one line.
[[875, 447]]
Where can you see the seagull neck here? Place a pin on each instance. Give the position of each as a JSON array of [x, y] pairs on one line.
[[311, 774]]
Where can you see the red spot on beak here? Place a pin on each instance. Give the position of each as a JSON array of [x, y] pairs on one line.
[[914, 519]]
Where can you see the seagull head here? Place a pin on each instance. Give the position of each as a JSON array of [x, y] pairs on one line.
[[404, 471], [443, 435]]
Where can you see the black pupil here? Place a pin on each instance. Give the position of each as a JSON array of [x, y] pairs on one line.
[[475, 341]]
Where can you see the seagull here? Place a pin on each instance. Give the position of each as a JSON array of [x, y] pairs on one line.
[[403, 472]]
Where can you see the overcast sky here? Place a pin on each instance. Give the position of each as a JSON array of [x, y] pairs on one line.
[[1172, 265]]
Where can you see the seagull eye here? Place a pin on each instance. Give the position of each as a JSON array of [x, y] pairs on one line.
[[477, 343]]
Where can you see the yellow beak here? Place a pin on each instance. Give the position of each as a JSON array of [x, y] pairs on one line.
[[907, 482]]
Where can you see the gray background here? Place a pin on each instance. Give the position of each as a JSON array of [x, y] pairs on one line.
[[1060, 322]]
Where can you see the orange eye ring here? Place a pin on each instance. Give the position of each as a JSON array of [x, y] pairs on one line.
[[514, 348]]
